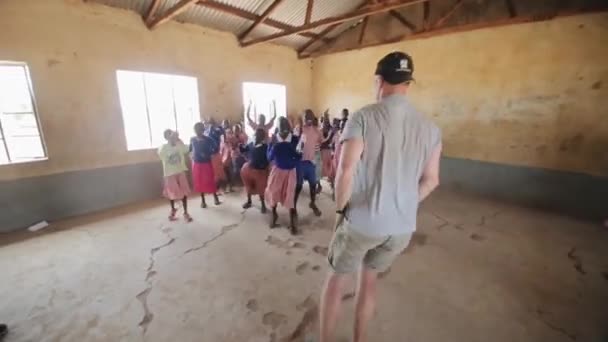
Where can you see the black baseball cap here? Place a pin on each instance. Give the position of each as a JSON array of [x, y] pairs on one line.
[[396, 67]]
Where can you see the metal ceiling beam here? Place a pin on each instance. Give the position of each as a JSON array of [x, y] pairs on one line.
[[403, 20], [448, 14], [356, 14], [463, 28], [261, 19], [151, 11], [237, 12], [309, 7], [172, 12]]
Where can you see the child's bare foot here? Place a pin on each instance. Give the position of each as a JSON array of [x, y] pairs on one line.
[[187, 217], [172, 215]]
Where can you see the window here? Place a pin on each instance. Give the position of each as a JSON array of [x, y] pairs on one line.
[[262, 95], [152, 103], [20, 138]]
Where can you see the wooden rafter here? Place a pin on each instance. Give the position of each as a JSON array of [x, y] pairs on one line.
[[309, 7], [152, 11], [261, 19], [237, 12], [426, 15], [335, 39], [461, 28], [363, 28], [356, 14], [172, 12], [323, 33], [511, 8], [448, 14], [403, 20]]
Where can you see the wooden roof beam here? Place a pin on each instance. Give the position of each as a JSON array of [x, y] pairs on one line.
[[403, 20], [511, 8], [237, 12], [448, 14], [426, 15], [309, 7], [363, 28], [356, 14], [171, 13], [261, 19], [151, 11], [463, 28], [323, 33]]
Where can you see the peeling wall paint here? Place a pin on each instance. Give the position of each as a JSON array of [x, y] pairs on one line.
[[532, 94], [73, 49]]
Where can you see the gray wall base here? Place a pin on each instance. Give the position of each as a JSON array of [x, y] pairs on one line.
[[573, 194], [30, 200]]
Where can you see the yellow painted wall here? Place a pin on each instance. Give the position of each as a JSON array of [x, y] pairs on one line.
[[533, 94], [73, 50]]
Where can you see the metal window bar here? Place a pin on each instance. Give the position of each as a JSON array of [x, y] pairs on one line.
[[174, 105], [143, 79], [8, 155], [38, 126]]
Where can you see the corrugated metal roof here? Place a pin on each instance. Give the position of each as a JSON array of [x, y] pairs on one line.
[[214, 19], [139, 6], [289, 12]]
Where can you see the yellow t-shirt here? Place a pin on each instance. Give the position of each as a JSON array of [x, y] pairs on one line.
[[173, 158]]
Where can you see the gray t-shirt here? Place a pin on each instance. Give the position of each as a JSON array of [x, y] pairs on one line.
[[398, 142]]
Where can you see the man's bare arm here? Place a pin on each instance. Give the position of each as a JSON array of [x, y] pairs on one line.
[[350, 156], [430, 176]]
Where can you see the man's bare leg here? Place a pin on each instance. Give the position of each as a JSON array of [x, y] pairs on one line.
[[366, 302], [331, 301]]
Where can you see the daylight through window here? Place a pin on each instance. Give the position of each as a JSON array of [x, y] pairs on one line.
[[152, 103], [20, 138]]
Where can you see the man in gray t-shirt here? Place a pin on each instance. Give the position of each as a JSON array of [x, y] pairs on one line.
[[389, 163]]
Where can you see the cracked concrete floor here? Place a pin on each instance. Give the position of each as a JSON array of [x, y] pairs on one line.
[[476, 270]]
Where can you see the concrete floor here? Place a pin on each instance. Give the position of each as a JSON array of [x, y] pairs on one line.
[[476, 271]]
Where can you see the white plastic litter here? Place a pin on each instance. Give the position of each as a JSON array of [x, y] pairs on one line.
[[36, 227]]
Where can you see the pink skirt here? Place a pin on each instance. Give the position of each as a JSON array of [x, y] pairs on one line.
[[255, 180], [176, 186], [203, 178], [218, 167], [281, 187], [326, 162]]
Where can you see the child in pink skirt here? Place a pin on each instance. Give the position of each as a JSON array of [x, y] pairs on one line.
[[203, 177], [173, 155], [282, 180]]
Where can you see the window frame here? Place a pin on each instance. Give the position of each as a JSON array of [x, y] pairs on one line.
[[143, 75], [35, 113]]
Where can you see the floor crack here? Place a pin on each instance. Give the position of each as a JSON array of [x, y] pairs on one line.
[[223, 231], [142, 297], [541, 314]]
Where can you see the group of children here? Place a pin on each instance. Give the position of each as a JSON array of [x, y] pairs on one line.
[[272, 166]]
